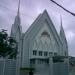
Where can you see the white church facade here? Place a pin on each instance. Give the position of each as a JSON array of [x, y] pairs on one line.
[[37, 43]]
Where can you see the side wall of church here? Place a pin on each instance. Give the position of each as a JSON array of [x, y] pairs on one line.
[[25, 54]]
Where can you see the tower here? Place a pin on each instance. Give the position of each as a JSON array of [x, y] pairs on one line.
[[63, 39], [16, 33], [16, 29]]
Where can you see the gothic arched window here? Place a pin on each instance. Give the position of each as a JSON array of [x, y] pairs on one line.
[[45, 33]]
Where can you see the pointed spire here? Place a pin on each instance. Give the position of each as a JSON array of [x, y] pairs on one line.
[[62, 33], [61, 20], [63, 39], [17, 18], [18, 8], [61, 28], [16, 27]]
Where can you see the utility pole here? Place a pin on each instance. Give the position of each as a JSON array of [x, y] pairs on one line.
[[73, 14]]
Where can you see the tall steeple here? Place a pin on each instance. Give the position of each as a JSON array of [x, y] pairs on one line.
[[16, 27], [17, 18], [63, 39], [62, 33], [16, 33], [61, 29]]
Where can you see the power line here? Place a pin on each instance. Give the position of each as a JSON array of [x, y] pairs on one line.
[[63, 7]]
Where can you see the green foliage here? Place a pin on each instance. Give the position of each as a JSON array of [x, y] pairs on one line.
[[7, 45], [58, 59], [27, 69]]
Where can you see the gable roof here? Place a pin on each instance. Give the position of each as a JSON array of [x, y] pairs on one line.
[[42, 16]]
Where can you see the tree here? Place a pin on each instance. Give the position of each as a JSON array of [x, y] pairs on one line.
[[8, 46], [27, 70]]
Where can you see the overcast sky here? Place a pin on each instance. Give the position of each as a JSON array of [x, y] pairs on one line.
[[30, 9]]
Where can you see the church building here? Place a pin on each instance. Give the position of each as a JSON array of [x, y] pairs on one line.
[[37, 44]]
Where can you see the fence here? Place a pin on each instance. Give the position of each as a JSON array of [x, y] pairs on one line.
[[60, 69], [7, 67]]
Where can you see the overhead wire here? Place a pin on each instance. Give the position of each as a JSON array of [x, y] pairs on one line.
[[63, 7]]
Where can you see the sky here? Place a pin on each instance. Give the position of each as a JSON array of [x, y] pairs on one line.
[[30, 9]]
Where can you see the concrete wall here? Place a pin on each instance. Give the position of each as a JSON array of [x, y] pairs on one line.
[[43, 68], [7, 67]]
